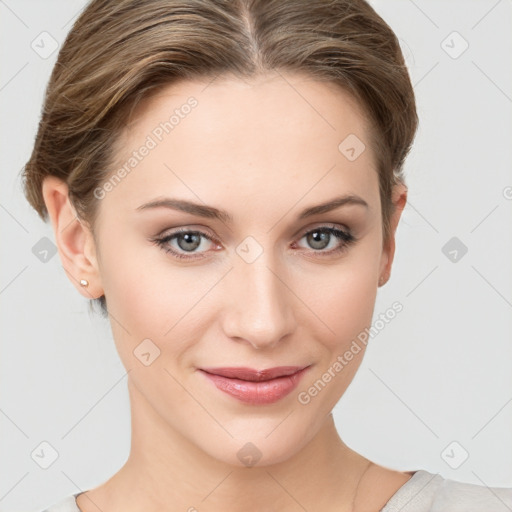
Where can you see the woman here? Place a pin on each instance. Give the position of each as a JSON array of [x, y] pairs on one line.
[[224, 178]]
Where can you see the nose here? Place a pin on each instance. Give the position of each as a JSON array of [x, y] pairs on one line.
[[259, 310]]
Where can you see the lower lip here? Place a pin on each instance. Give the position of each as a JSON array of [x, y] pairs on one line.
[[263, 392]]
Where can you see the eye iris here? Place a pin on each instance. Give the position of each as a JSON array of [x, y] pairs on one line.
[[190, 238], [319, 237]]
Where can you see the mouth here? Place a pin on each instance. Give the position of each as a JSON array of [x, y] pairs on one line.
[[255, 386]]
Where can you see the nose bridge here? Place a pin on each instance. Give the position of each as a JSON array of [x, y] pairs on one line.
[[260, 308]]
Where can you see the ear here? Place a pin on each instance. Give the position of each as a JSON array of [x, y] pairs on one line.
[[74, 240], [399, 198]]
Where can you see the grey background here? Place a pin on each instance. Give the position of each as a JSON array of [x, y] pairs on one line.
[[435, 383]]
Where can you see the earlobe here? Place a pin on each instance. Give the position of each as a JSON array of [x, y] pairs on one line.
[[74, 241]]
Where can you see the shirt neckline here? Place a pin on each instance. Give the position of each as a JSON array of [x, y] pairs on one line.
[[419, 480], [406, 491]]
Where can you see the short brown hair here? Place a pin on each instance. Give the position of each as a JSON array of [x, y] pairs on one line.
[[121, 51]]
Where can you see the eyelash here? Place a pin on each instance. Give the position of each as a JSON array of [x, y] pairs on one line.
[[345, 236]]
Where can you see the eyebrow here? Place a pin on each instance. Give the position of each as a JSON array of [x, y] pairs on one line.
[[214, 213]]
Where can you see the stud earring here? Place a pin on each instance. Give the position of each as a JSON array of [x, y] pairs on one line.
[[84, 282]]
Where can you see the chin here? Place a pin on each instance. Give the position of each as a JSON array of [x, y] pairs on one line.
[[262, 444], [257, 453]]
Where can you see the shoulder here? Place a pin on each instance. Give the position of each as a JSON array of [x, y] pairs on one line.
[[426, 492], [67, 504], [457, 496]]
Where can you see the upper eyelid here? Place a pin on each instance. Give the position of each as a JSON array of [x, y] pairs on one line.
[[204, 231], [212, 238]]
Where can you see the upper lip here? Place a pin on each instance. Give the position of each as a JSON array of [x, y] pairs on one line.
[[250, 374]]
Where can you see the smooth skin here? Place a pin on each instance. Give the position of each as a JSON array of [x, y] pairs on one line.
[[263, 151]]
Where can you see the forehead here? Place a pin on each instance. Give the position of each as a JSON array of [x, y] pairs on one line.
[[273, 100], [276, 137]]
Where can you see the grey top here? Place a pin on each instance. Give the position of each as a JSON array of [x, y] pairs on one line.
[[423, 492]]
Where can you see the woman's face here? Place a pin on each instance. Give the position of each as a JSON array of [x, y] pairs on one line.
[[248, 287]]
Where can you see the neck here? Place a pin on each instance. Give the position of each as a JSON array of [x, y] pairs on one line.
[[165, 470]]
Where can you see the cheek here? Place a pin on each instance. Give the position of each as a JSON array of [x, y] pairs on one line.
[[143, 293], [349, 306], [342, 297], [345, 305], [133, 289], [151, 298]]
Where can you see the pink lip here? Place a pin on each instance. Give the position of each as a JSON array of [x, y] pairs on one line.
[[256, 386]]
